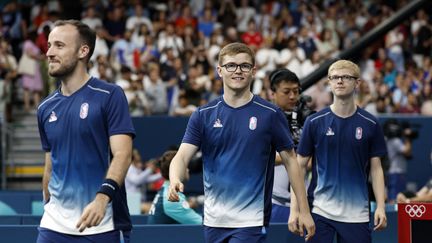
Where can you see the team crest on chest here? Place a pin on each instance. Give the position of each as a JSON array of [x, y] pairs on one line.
[[359, 133], [84, 110], [253, 123]]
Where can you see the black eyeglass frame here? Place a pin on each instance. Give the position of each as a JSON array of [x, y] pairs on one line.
[[344, 78], [246, 65]]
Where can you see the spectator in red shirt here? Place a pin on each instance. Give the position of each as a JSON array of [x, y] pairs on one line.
[[42, 39], [185, 19], [252, 37]]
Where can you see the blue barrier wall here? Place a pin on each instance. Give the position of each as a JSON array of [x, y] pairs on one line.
[[155, 134], [21, 201], [188, 233]]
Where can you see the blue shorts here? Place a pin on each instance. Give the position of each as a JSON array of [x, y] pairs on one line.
[[279, 214], [49, 236], [345, 232], [256, 234]]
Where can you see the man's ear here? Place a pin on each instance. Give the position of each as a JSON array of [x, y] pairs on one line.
[[83, 51], [219, 71], [357, 85]]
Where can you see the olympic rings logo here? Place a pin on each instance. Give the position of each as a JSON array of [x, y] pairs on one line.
[[415, 210]]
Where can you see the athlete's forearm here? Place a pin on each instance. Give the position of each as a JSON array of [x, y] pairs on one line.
[[377, 175], [181, 161], [296, 176], [121, 148], [177, 169]]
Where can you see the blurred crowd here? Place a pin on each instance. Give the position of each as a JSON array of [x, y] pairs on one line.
[[164, 53]]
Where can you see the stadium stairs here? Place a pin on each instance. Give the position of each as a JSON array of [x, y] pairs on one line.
[[23, 152]]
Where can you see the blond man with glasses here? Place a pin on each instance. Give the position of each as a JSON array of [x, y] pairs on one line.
[[346, 144]]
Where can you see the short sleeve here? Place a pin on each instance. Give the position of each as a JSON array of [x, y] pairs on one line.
[[44, 140], [119, 120], [378, 145], [193, 130]]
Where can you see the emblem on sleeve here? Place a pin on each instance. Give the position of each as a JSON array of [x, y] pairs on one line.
[[84, 110]]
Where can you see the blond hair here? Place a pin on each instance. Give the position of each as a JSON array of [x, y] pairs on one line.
[[345, 64], [234, 49]]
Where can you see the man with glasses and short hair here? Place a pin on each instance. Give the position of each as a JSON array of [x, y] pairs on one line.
[[239, 134], [346, 144]]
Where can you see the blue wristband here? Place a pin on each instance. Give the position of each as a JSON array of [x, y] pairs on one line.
[[109, 187]]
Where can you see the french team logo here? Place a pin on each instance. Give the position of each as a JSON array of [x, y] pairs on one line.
[[359, 133], [84, 110], [252, 123], [52, 117]]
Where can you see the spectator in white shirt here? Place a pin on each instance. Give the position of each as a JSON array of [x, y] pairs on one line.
[[136, 20]]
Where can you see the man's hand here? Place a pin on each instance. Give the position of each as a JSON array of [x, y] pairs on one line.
[[305, 222], [174, 188], [380, 219], [93, 213], [401, 198], [293, 222]]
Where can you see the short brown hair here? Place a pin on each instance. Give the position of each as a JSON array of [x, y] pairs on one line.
[[165, 162], [87, 36], [234, 49]]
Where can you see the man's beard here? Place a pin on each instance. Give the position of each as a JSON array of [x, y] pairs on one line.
[[64, 70]]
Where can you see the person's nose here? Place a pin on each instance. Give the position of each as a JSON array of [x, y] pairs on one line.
[[340, 81], [238, 70], [49, 52]]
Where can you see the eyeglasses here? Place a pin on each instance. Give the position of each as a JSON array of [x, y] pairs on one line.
[[344, 78], [232, 67]]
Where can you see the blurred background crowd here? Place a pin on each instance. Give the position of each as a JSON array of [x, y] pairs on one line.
[[164, 53]]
